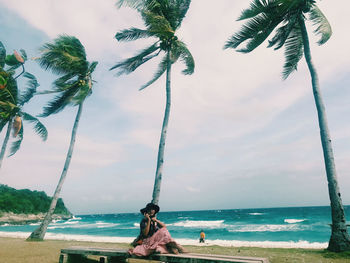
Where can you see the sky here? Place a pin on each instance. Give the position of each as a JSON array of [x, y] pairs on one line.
[[238, 136]]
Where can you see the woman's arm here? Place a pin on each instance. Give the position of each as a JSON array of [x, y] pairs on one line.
[[145, 231], [161, 224]]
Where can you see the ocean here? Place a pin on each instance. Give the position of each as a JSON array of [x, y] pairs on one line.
[[292, 227]]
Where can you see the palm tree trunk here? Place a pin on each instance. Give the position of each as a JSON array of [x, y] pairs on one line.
[[340, 240], [160, 159], [39, 233], [4, 144]]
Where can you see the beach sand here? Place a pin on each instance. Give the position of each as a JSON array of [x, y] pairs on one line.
[[18, 250]]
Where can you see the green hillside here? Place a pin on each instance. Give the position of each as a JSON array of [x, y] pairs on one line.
[[27, 202]]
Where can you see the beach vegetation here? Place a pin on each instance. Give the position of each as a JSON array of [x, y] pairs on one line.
[[286, 20], [25, 201], [66, 57], [162, 19], [12, 101]]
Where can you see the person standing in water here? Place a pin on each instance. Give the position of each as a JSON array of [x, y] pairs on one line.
[[202, 237]]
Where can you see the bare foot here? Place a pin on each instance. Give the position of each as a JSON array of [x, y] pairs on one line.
[[174, 251], [181, 249]]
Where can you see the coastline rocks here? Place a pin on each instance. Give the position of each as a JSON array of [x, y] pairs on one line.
[[22, 219]]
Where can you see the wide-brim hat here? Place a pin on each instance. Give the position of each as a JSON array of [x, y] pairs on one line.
[[149, 207]]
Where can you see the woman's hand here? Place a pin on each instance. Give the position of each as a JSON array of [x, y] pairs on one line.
[[161, 224], [147, 216]]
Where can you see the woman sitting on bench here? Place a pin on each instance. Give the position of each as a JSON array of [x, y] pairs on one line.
[[154, 236]]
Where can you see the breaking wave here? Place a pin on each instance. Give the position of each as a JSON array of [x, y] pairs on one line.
[[200, 224], [293, 221]]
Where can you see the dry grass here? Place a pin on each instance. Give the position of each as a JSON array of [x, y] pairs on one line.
[[14, 250]]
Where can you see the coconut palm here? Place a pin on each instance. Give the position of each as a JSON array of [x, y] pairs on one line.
[[288, 18], [12, 101], [66, 57], [161, 18]]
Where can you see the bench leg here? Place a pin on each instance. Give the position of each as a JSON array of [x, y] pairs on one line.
[[61, 260], [103, 260]]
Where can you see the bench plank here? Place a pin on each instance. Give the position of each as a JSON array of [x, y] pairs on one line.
[[94, 251], [120, 255], [204, 258]]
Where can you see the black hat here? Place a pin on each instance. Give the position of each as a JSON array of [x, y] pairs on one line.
[[149, 207]]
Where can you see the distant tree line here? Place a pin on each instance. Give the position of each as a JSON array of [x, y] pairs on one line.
[[27, 202]]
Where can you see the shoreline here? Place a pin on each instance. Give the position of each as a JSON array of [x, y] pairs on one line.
[[13, 250], [188, 242]]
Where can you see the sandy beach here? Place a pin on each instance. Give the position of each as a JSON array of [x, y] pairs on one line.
[[18, 250]]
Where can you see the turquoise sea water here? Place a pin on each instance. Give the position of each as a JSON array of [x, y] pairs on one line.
[[269, 227]]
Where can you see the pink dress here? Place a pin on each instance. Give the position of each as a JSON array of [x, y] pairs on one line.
[[156, 243]]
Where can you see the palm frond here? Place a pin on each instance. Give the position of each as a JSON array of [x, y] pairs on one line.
[[32, 85], [92, 66], [15, 145], [129, 65], [39, 128], [181, 6], [7, 108], [65, 55], [256, 7], [2, 55], [161, 69], [293, 51], [3, 122], [173, 11], [323, 27], [10, 92], [60, 101], [181, 51], [132, 34], [136, 4], [157, 25], [83, 92], [60, 83], [282, 33], [255, 31]]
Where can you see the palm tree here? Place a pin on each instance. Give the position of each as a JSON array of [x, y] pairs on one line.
[[290, 16], [162, 18], [66, 57], [11, 104]]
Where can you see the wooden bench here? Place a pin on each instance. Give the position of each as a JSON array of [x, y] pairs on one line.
[[112, 255]]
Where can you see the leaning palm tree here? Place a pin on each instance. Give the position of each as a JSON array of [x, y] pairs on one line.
[[290, 16], [12, 101], [65, 57], [162, 18]]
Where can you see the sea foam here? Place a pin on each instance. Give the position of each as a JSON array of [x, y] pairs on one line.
[[293, 221], [256, 214], [263, 228], [200, 224]]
